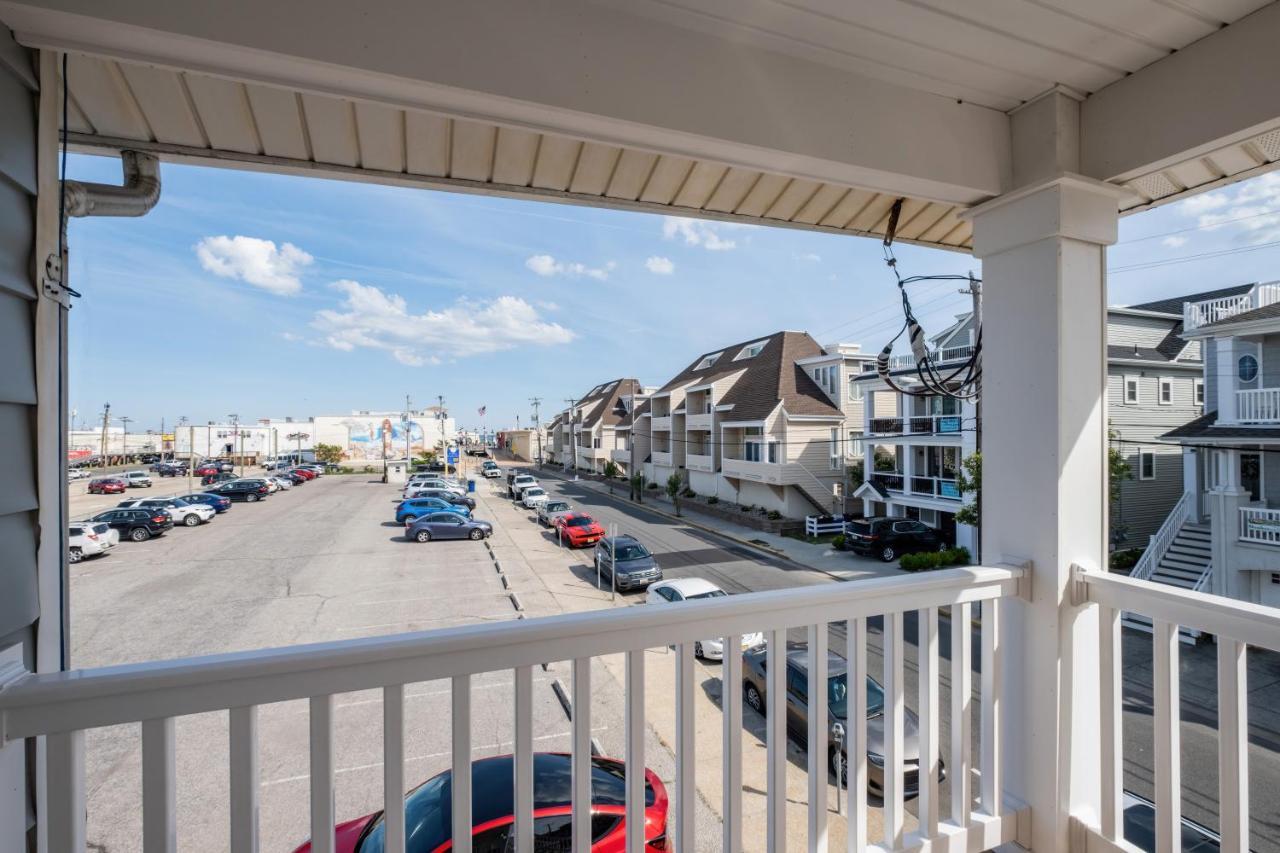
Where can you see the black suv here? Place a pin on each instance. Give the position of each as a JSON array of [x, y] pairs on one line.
[[215, 479], [242, 490], [890, 538], [138, 524]]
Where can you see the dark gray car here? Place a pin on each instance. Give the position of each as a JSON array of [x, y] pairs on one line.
[[635, 569], [446, 525], [447, 495], [753, 688]]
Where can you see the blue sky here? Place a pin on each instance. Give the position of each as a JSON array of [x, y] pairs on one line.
[[268, 296]]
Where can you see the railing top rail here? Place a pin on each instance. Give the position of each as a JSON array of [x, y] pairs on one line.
[[1214, 614], [81, 699]]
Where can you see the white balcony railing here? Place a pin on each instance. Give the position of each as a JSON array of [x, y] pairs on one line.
[[63, 706], [696, 461], [1258, 406], [1258, 524], [917, 425], [936, 487], [700, 421], [1162, 539], [1197, 314], [620, 454]]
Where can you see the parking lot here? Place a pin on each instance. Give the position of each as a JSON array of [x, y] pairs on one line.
[[325, 561]]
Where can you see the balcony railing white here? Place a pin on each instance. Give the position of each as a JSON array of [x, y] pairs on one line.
[[937, 487], [1236, 625], [1196, 314], [917, 425], [1258, 406], [63, 706], [1258, 524], [1163, 538]]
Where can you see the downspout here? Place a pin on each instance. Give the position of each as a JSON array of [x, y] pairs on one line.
[[139, 193]]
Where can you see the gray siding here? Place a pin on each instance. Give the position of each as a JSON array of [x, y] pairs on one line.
[[1211, 374], [1270, 361], [1136, 331], [19, 601]]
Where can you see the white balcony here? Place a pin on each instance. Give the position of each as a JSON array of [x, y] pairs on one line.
[[660, 423], [662, 457], [700, 462], [759, 472], [700, 421], [1197, 314], [913, 425], [1258, 406], [934, 487], [1258, 524], [620, 455]]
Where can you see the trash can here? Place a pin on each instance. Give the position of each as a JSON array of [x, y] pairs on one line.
[[471, 484]]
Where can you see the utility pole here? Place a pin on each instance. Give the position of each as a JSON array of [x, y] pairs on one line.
[[237, 446], [106, 417], [537, 426], [444, 445], [182, 421], [408, 430], [573, 442], [125, 445], [191, 459], [974, 291]]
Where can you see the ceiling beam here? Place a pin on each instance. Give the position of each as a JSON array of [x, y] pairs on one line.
[[563, 66]]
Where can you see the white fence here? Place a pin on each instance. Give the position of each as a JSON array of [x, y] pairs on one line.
[[820, 525], [1197, 314], [1258, 524], [1258, 406], [63, 706]]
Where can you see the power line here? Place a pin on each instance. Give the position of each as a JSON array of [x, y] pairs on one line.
[[1208, 226], [1189, 258]]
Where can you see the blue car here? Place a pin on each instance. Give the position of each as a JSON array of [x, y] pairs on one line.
[[219, 503], [414, 508]]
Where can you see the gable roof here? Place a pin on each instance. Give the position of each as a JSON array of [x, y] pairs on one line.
[[1173, 304], [605, 403]]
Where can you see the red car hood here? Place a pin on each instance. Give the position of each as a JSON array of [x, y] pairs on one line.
[[345, 834], [575, 532]]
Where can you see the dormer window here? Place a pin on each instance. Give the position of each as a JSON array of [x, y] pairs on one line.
[[709, 360], [750, 350]]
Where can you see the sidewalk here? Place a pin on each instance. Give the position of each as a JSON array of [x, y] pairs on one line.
[[841, 565]]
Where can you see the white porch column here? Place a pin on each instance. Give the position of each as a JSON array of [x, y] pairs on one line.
[[1044, 477], [1224, 502], [1227, 352]]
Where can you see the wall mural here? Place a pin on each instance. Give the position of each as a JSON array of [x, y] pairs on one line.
[[373, 438]]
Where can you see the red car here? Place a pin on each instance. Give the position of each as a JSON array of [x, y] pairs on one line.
[[208, 470], [428, 815], [579, 530], [304, 473], [107, 486]]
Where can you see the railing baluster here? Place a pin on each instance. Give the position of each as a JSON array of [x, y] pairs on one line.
[[581, 755], [635, 781], [731, 770], [243, 733], [65, 790], [524, 760], [927, 648], [817, 738], [776, 742], [1167, 749], [961, 695], [992, 657], [1111, 723], [159, 824], [461, 758], [393, 768], [686, 757], [322, 811], [1233, 745], [894, 730], [856, 734]]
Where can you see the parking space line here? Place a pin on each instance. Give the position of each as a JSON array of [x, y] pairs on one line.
[[491, 617]]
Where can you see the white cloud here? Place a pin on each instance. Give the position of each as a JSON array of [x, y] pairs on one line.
[[255, 261], [370, 318], [1201, 203], [546, 265], [696, 232], [291, 337], [659, 265], [1251, 207], [811, 257], [1173, 242]]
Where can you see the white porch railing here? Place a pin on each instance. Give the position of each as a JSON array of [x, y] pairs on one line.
[[1160, 541], [816, 525], [1258, 406], [936, 487], [63, 706], [1258, 524], [1196, 314], [1236, 625]]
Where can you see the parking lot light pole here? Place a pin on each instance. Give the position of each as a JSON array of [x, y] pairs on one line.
[[613, 563], [191, 460]]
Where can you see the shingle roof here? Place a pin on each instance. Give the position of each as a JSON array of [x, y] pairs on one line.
[[603, 401], [1173, 343], [1205, 427], [1266, 312], [1173, 305]]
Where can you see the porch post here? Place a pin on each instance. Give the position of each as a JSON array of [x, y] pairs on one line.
[[1224, 501], [1044, 478]]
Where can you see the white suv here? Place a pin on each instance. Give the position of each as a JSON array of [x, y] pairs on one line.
[[137, 479], [187, 514], [90, 539]]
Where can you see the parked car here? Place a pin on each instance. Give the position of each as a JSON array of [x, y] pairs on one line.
[[186, 514], [414, 508], [436, 483], [137, 479], [578, 530], [533, 495], [292, 476], [218, 502], [446, 525], [755, 695], [1140, 828], [242, 490], [220, 477], [207, 469], [77, 474], [137, 523], [313, 468], [444, 495], [169, 469], [626, 562], [90, 539], [281, 482], [107, 486], [697, 589], [519, 483], [304, 473], [491, 473], [427, 807], [549, 511], [890, 538]]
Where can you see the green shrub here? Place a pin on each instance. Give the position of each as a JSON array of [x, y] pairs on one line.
[[747, 508], [774, 515], [1126, 559], [652, 486], [713, 500], [688, 493], [837, 542], [926, 560]]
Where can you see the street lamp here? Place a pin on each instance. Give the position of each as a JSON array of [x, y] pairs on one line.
[[237, 446]]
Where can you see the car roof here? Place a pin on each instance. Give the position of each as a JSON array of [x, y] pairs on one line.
[[689, 586], [622, 539], [798, 656]]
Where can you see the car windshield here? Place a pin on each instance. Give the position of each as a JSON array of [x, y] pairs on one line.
[[580, 521], [529, 493], [838, 692], [711, 593], [631, 552], [556, 506]]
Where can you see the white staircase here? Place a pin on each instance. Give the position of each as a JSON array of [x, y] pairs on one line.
[[1185, 563]]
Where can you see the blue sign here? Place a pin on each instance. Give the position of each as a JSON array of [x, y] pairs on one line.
[[452, 455], [950, 424], [948, 489]]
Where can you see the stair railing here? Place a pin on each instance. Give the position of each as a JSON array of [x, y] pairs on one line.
[[1163, 538]]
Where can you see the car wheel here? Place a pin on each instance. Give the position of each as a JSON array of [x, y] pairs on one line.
[[477, 535], [697, 650], [75, 556], [410, 519], [250, 498], [423, 536], [887, 553], [191, 520], [139, 534], [754, 699]]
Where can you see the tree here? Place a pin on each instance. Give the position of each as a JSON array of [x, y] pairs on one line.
[[637, 487], [328, 454], [610, 473], [674, 485], [1118, 470], [970, 480]]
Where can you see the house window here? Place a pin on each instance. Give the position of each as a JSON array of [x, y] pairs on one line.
[[707, 361], [1166, 391], [1199, 392], [854, 448], [773, 451], [835, 452], [1146, 465], [750, 350], [1131, 390], [855, 390], [1247, 368]]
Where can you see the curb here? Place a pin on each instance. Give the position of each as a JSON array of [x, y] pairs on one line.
[[562, 694], [515, 601]]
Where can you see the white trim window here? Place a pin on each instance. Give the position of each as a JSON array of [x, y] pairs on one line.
[[750, 350], [709, 360], [1166, 391], [1146, 465], [856, 391], [835, 451], [1131, 390], [1198, 391]]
